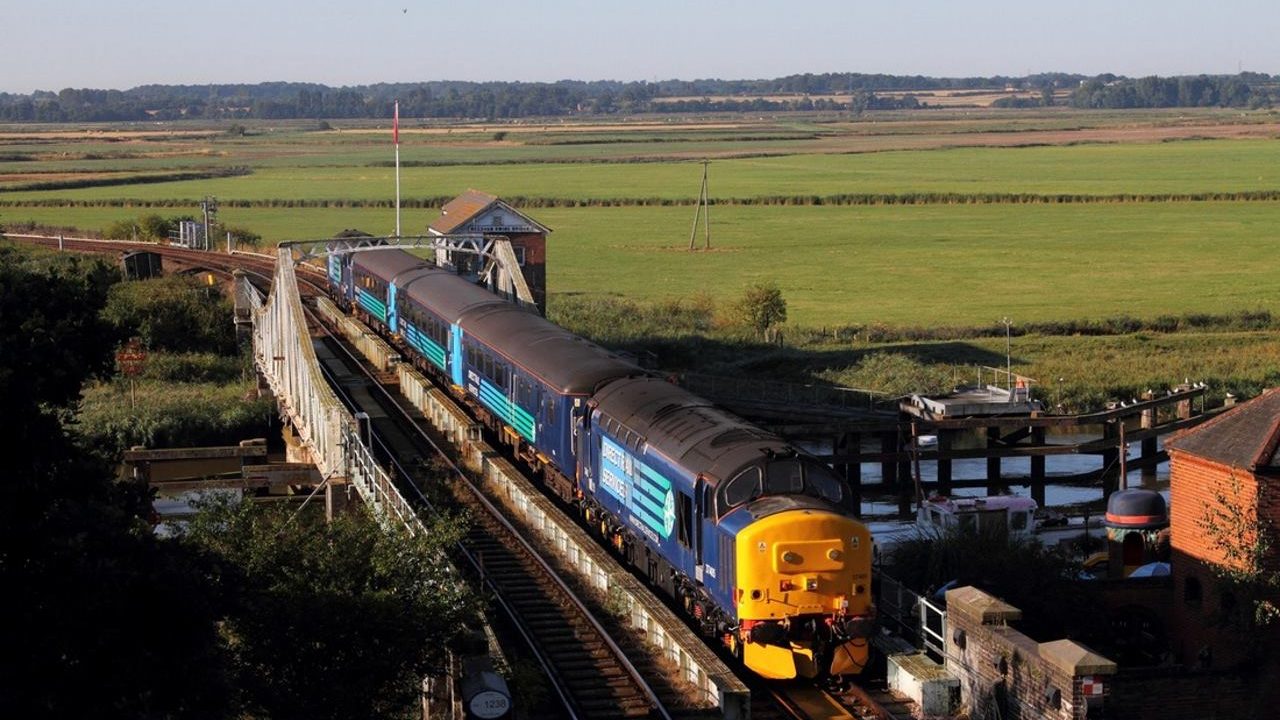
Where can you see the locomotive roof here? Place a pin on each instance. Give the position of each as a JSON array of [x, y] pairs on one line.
[[387, 263], [564, 360], [685, 427], [445, 293]]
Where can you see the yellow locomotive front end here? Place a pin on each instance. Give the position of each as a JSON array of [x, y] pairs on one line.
[[803, 594]]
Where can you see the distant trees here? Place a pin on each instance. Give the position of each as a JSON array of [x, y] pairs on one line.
[[1243, 90], [438, 99]]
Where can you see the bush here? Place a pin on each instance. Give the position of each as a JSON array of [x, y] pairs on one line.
[[173, 313], [168, 414], [1038, 580], [762, 307]]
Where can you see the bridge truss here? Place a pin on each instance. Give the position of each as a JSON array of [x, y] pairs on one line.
[[501, 271], [284, 354]]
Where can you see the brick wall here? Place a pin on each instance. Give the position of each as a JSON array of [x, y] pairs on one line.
[[1194, 485], [1178, 694], [1003, 671], [1199, 637]]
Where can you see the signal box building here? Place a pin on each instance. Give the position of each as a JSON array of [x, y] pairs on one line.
[[1224, 481], [475, 212]]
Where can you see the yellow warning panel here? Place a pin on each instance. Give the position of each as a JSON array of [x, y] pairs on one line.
[[769, 661]]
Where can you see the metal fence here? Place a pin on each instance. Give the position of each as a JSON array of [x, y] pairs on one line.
[[913, 616], [284, 354]]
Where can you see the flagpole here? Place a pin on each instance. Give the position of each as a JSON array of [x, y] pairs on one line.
[[396, 135]]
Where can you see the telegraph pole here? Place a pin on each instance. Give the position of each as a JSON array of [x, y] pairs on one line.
[[704, 209]]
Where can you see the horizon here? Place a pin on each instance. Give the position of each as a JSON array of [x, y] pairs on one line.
[[85, 45]]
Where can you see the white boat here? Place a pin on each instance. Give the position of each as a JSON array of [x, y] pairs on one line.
[[1011, 515]]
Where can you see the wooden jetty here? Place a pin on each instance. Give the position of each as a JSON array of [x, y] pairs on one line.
[[1008, 422]]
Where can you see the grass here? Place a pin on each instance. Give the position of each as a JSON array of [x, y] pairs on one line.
[[1185, 167], [840, 266], [873, 271]]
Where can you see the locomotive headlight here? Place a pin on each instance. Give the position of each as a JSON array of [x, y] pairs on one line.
[[790, 557], [834, 555]]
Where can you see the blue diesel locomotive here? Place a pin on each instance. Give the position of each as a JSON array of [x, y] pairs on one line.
[[754, 539]]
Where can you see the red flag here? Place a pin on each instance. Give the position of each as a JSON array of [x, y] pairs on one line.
[[395, 125]]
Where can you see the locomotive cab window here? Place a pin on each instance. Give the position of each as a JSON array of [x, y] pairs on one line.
[[785, 477], [742, 488], [823, 483]]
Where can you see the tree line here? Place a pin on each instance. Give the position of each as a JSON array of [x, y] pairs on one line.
[[499, 100], [1255, 90]]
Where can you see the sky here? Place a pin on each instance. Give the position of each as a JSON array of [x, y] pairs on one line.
[[54, 44]]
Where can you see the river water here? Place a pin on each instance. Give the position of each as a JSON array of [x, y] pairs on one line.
[[1019, 467]]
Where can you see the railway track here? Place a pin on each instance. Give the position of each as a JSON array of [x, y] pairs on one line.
[[800, 701], [590, 674]]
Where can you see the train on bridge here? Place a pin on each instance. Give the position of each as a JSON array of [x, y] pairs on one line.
[[755, 540]]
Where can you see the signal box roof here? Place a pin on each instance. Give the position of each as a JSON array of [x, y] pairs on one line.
[[457, 216]]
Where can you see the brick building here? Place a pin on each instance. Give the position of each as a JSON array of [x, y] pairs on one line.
[[1224, 478], [475, 212]]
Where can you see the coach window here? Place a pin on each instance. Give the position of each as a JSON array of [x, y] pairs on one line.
[[684, 518]]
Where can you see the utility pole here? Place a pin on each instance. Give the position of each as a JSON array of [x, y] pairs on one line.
[[704, 209], [209, 206]]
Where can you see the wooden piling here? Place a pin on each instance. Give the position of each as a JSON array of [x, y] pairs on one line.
[[994, 482], [1037, 467]]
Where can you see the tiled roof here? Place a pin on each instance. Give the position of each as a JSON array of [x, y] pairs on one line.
[[1245, 436], [461, 209]]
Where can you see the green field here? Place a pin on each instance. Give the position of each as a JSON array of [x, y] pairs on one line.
[[1186, 167], [1091, 219], [918, 265]]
